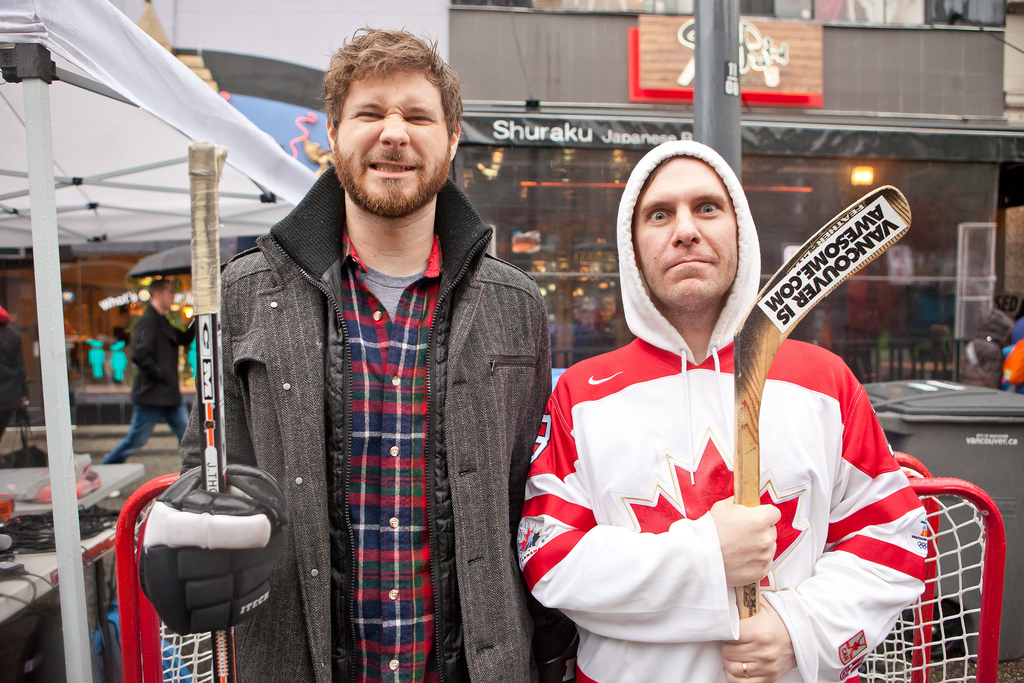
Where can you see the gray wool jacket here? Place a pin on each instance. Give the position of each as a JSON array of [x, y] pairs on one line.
[[489, 379]]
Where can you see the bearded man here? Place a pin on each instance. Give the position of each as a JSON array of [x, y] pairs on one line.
[[391, 375]]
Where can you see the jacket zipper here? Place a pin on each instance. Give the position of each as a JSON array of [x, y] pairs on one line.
[[435, 569], [512, 362], [346, 427]]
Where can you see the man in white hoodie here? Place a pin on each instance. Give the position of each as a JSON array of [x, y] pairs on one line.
[[628, 525]]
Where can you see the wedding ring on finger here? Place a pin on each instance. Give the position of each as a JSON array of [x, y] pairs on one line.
[[745, 674]]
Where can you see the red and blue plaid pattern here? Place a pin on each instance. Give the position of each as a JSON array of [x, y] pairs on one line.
[[394, 596]]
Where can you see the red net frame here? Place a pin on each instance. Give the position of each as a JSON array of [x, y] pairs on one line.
[[951, 633]]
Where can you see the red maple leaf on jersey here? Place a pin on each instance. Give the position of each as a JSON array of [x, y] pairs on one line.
[[710, 482]]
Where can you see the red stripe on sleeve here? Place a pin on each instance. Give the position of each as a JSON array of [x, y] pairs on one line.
[[550, 554], [886, 554], [883, 511], [570, 514]]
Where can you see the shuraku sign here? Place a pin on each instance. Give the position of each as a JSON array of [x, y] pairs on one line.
[[527, 131], [864, 232]]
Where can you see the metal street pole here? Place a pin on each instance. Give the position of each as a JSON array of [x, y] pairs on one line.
[[34, 68], [716, 93]]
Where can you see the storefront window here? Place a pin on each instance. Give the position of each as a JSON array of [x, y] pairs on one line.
[[554, 209], [553, 214]]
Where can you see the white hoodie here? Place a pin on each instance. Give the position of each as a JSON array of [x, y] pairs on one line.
[[636, 446]]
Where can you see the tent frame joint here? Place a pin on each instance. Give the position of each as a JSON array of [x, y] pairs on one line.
[[27, 60]]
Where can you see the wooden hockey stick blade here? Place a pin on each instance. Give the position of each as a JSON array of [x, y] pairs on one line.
[[839, 249], [205, 163]]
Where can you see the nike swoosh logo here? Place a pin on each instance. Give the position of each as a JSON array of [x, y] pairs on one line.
[[602, 381]]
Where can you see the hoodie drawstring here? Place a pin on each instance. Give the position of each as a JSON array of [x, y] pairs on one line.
[[722, 398]]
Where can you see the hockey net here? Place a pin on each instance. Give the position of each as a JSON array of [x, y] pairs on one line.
[[952, 632]]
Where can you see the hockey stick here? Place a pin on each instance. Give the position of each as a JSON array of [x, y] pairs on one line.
[[843, 246], [205, 162]]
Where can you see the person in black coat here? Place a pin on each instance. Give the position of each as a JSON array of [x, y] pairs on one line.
[[13, 387], [155, 392]]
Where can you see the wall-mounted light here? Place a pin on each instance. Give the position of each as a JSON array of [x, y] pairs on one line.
[[862, 175]]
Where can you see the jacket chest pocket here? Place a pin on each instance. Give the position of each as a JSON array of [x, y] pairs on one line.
[[497, 362]]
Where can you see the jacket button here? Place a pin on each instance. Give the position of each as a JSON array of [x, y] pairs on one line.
[[393, 665], [273, 304], [393, 593], [298, 480], [286, 386], [315, 573], [396, 380], [377, 315]]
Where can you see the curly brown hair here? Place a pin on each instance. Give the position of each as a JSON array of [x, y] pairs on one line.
[[382, 52]]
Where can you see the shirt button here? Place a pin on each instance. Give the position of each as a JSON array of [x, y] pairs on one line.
[[393, 593], [393, 665], [377, 315], [273, 304], [393, 522], [286, 386], [298, 480], [395, 451], [315, 573], [395, 381]]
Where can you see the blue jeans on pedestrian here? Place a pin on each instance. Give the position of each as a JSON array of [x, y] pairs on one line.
[[144, 418]]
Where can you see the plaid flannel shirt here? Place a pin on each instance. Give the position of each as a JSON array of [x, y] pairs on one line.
[[394, 596]]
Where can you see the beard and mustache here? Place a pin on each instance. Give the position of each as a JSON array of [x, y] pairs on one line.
[[395, 201]]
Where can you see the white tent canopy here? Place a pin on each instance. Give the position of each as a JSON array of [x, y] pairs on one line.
[[105, 202], [120, 171]]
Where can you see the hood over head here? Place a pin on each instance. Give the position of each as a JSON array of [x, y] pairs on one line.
[[996, 326], [643, 318]]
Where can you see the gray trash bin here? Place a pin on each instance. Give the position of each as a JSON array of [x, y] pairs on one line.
[[975, 434]]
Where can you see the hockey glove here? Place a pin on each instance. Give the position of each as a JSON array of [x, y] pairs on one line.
[[207, 557]]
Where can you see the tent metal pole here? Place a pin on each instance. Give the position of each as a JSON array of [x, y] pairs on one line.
[[53, 359]]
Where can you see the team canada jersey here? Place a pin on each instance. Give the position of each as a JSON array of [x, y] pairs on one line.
[[634, 450]]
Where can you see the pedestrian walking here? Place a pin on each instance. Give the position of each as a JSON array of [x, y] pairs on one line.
[[156, 394]]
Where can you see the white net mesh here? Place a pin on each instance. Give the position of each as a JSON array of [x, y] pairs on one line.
[[186, 659], [937, 639]]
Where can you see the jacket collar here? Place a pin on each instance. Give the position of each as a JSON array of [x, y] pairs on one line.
[[311, 233]]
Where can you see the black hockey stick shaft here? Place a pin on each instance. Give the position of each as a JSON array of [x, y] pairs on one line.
[[839, 249]]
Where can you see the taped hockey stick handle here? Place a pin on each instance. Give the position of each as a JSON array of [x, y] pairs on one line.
[[205, 162]]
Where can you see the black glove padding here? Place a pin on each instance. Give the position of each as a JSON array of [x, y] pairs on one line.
[[207, 557]]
